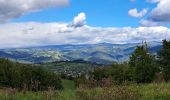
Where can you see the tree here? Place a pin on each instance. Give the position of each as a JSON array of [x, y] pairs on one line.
[[164, 59], [79, 80], [100, 73], [31, 77], [143, 64], [121, 73]]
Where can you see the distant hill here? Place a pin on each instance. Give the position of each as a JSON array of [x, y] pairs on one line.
[[103, 53]]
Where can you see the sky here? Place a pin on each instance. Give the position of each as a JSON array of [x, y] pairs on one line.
[[103, 13], [25, 23]]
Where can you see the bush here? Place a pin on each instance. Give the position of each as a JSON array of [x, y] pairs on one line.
[[111, 93], [119, 73], [79, 80], [30, 77], [122, 73]]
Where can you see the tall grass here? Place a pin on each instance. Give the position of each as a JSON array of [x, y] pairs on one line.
[[151, 91], [154, 91], [111, 93]]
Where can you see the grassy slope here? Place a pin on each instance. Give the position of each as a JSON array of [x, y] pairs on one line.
[[146, 92]]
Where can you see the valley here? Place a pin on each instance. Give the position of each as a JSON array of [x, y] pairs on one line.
[[103, 53]]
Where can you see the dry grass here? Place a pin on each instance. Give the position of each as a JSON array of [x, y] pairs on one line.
[[108, 93], [153, 91]]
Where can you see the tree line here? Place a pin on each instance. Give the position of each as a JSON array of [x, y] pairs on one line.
[[142, 67]]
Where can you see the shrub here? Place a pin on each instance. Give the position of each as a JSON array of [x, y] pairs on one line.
[[29, 77], [111, 93]]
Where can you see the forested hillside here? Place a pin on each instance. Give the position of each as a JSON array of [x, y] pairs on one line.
[[103, 53]]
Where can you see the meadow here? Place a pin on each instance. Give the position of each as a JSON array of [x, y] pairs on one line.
[[151, 91]]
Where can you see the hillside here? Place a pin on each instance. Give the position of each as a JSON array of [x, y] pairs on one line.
[[103, 53]]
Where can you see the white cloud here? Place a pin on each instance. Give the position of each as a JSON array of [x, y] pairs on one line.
[[162, 12], [160, 15], [153, 1], [148, 23], [79, 20], [10, 9], [135, 13], [37, 34]]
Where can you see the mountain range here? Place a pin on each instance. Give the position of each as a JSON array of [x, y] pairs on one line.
[[102, 53]]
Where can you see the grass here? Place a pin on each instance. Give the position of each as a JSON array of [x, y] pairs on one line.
[[155, 91], [151, 91], [20, 96], [68, 85], [69, 90], [66, 94]]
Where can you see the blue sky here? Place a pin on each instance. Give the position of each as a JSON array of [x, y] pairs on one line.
[[25, 23], [103, 13]]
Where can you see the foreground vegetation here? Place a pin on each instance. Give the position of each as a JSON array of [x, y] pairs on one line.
[[152, 91], [27, 77]]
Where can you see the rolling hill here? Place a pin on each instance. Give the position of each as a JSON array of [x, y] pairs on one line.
[[103, 53]]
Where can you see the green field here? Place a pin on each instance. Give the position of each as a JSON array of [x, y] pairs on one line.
[[152, 91]]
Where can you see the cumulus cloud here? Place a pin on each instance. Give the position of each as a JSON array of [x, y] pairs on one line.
[[79, 20], [162, 12], [39, 34], [134, 13], [159, 15], [148, 23], [10, 9]]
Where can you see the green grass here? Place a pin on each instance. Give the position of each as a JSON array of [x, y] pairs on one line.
[[151, 91], [68, 85], [21, 96], [68, 93], [69, 90], [155, 91]]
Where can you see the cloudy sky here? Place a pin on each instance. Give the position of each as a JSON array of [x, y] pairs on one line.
[[25, 23]]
